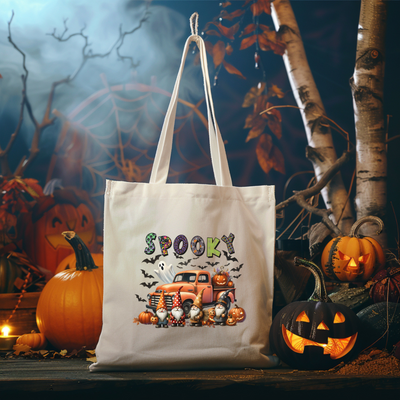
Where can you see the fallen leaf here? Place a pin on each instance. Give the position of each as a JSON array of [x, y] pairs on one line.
[[63, 352], [21, 348], [232, 70], [218, 53], [247, 42], [92, 359], [249, 28]]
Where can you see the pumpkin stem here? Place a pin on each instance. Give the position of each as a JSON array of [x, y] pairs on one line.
[[320, 293], [84, 260], [369, 218]]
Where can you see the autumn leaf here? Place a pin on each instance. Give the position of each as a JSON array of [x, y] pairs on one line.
[[21, 348], [246, 2], [218, 53], [225, 4], [227, 32], [256, 9], [275, 125], [249, 28], [251, 96], [247, 42], [266, 5], [213, 32], [269, 156], [232, 70], [228, 49], [257, 129], [209, 47], [268, 40], [232, 15], [273, 90]]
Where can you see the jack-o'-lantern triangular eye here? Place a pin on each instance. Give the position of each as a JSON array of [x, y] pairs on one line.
[[343, 257], [302, 317], [323, 326], [363, 259], [339, 318]]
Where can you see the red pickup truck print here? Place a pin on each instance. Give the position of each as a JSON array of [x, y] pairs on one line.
[[193, 282]]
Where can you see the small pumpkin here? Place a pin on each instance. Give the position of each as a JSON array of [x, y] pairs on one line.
[[220, 279], [145, 317], [69, 311], [353, 258], [154, 319], [230, 284], [9, 272], [36, 341], [231, 321], [386, 285], [314, 334], [238, 313]]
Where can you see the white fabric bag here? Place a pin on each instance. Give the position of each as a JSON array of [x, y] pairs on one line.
[[185, 233]]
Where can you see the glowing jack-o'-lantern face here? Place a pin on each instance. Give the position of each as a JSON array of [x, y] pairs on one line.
[[314, 335]]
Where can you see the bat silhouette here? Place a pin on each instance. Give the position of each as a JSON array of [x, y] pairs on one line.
[[237, 269], [139, 298], [185, 262], [177, 255], [152, 260], [228, 257], [199, 266], [196, 258], [146, 275], [149, 285], [211, 263], [227, 265], [237, 276]]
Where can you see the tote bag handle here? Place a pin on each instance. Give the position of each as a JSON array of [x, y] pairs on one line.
[[162, 158]]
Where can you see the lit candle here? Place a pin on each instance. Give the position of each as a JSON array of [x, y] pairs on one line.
[[7, 341]]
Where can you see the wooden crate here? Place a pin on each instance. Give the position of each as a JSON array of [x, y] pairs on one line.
[[24, 319]]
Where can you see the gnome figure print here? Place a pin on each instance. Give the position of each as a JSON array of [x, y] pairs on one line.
[[177, 315], [196, 311], [162, 312], [222, 308]]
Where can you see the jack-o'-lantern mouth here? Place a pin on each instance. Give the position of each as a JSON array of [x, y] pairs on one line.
[[336, 348], [57, 240]]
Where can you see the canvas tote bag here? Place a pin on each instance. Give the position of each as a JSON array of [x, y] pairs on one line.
[[164, 245]]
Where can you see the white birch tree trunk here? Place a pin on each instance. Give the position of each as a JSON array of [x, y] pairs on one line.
[[321, 151], [367, 88]]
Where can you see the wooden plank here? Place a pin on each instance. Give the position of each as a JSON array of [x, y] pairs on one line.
[[9, 300]]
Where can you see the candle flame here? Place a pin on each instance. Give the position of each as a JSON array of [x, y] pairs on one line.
[[5, 330]]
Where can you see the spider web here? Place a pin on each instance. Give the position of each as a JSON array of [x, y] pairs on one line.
[[113, 134]]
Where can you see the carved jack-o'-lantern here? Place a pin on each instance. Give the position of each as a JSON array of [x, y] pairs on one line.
[[43, 240], [353, 258], [231, 320], [220, 279], [154, 319], [238, 313], [314, 334]]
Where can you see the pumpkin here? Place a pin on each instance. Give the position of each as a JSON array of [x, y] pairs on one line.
[[231, 320], [353, 258], [230, 284], [145, 317], [69, 262], [154, 319], [64, 211], [314, 334], [69, 310], [238, 313], [386, 285], [220, 279], [36, 341], [9, 272]]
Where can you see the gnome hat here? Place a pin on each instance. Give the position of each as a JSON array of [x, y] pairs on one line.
[[198, 301], [161, 302], [223, 299], [177, 299]]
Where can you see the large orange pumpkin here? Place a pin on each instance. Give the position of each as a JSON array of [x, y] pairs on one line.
[[69, 311], [353, 258], [64, 211]]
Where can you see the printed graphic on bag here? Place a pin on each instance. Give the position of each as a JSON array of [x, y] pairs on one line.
[[201, 294]]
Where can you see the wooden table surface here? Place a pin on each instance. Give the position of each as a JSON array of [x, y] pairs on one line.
[[70, 378]]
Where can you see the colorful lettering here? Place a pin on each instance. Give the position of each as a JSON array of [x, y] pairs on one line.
[[149, 240], [177, 245], [197, 246], [228, 240], [212, 247], [165, 244]]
